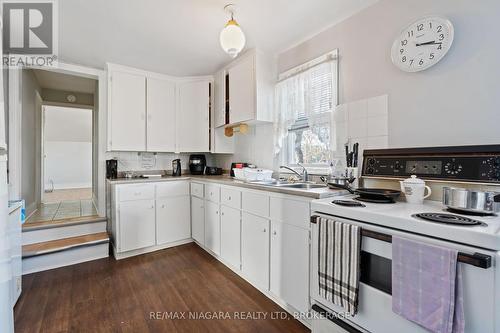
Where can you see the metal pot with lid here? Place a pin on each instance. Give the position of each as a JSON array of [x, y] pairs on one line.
[[471, 201]]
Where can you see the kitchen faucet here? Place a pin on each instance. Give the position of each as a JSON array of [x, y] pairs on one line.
[[304, 176]]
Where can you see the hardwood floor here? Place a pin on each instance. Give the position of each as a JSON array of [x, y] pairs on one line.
[[124, 296]]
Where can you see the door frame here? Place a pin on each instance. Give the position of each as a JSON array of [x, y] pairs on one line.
[[100, 105]]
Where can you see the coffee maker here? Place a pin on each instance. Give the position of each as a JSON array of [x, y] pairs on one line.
[[197, 164], [112, 169], [176, 167]]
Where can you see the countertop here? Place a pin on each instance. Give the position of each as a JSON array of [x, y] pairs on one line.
[[317, 193]]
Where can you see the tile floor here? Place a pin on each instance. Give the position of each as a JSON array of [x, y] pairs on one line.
[[63, 210]]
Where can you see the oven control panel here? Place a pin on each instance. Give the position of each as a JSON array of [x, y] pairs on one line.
[[484, 168]]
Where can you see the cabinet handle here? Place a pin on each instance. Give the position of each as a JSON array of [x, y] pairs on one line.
[[217, 212], [162, 206], [137, 193], [274, 233], [222, 213], [229, 198], [265, 230], [152, 207]]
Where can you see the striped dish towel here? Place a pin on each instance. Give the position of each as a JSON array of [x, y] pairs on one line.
[[339, 260]]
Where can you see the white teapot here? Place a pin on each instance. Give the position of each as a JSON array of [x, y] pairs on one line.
[[414, 190]]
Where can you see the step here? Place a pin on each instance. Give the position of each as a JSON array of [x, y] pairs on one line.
[[43, 231], [63, 252]]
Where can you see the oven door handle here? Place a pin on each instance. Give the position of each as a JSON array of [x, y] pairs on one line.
[[477, 259], [333, 317]]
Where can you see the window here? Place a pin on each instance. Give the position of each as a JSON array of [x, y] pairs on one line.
[[306, 97]]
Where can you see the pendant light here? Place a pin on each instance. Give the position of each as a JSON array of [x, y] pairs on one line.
[[232, 38]]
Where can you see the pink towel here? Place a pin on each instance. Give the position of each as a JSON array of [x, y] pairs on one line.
[[427, 286]]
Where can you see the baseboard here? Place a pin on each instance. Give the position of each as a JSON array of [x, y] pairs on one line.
[[149, 249]]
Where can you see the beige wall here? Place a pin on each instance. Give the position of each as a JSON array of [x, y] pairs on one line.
[[453, 103]]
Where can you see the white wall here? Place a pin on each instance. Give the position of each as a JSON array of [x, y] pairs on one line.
[[68, 147], [453, 103]]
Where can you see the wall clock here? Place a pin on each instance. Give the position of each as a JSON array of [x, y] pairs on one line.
[[422, 44]]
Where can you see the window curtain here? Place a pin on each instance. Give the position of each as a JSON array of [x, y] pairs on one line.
[[309, 95]]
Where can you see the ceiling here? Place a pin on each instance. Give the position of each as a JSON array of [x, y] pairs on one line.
[[181, 37], [64, 82]]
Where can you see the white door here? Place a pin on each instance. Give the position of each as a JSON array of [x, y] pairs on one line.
[[161, 115], [219, 101], [193, 117], [255, 249], [198, 220], [128, 112], [137, 225], [230, 231], [173, 221], [290, 264], [242, 91], [212, 227]]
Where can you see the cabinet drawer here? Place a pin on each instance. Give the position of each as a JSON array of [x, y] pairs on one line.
[[230, 197], [255, 203], [172, 189], [290, 211], [197, 190], [131, 192], [212, 192]]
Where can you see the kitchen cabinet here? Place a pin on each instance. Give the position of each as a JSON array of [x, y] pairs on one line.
[[255, 249], [172, 219], [198, 220], [230, 236], [220, 99], [127, 108], [193, 116], [137, 227], [161, 109], [289, 276], [212, 227], [242, 90]]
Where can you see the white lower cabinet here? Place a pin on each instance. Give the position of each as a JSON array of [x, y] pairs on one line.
[[290, 264], [230, 243], [137, 225], [212, 227], [198, 220], [172, 219], [255, 249]]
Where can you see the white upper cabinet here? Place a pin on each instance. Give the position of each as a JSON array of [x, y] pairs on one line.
[[251, 88], [160, 115], [220, 99], [193, 116], [127, 108]]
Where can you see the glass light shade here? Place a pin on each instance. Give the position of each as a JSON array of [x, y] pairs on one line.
[[232, 38]]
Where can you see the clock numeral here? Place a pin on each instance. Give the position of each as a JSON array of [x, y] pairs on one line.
[[430, 25], [402, 51], [411, 61], [420, 27], [421, 62], [403, 59], [440, 47], [404, 42], [431, 56], [440, 28], [441, 37], [410, 33]]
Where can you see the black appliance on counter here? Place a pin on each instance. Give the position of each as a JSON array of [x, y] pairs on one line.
[[238, 165], [213, 171], [112, 169], [176, 167], [197, 164]]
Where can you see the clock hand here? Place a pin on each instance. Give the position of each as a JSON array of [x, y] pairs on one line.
[[428, 43]]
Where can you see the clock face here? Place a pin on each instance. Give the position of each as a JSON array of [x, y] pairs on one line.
[[422, 44]]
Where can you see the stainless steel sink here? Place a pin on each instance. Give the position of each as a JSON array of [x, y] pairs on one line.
[[303, 186]]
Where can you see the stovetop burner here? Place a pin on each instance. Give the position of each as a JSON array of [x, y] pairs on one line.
[[466, 212], [447, 219], [372, 200], [348, 203]]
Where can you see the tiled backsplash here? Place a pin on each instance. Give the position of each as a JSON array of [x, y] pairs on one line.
[[140, 161]]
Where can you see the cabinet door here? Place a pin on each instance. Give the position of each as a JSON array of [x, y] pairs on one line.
[[219, 100], [230, 228], [172, 220], [290, 264], [212, 227], [242, 91], [255, 249], [160, 115], [128, 112], [222, 144], [137, 225], [193, 117], [198, 220]]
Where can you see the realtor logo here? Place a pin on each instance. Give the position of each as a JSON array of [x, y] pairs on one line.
[[29, 33]]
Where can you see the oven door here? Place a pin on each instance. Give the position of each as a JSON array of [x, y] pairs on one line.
[[375, 301]]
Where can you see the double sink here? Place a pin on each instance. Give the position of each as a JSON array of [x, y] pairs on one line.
[[285, 184]]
